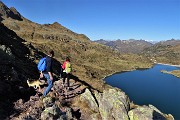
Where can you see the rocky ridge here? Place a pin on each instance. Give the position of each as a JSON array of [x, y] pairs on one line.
[[127, 46], [9, 12]]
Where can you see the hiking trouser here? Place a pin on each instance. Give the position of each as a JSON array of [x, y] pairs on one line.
[[66, 75], [50, 84]]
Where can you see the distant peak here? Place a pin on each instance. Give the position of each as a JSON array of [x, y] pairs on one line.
[[14, 10], [6, 12], [56, 24]]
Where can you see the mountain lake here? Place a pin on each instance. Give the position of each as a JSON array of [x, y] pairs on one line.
[[151, 86]]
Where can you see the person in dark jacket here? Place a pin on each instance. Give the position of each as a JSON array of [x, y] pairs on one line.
[[48, 72]]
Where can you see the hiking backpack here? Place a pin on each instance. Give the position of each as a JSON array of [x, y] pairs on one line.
[[42, 64], [68, 67]]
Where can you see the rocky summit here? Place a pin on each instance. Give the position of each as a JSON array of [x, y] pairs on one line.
[[23, 43]]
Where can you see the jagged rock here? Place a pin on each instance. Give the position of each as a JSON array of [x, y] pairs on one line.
[[90, 100], [148, 113], [51, 113], [48, 102], [113, 104]]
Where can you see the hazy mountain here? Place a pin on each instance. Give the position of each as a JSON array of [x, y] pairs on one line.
[[172, 42], [127, 46]]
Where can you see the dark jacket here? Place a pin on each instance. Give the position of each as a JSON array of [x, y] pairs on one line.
[[48, 65]]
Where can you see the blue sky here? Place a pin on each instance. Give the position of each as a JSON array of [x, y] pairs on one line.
[[107, 19]]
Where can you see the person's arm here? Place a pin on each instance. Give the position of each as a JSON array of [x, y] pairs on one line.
[[51, 76], [41, 74]]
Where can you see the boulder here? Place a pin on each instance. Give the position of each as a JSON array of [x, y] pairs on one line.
[[148, 113], [87, 97], [51, 113], [48, 102], [113, 104]]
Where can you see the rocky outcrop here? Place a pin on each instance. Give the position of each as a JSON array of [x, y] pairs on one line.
[[114, 104], [111, 104], [87, 96], [51, 113], [12, 12], [148, 113]]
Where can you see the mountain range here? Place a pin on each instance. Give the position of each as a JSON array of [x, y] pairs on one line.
[[23, 43], [135, 46]]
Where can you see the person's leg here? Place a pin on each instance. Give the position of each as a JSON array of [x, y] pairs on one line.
[[64, 77], [50, 84], [61, 72], [68, 78]]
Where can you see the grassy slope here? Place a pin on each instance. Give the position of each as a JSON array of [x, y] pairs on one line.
[[91, 61], [164, 54]]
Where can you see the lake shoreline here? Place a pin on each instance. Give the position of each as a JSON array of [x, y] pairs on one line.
[[168, 64], [139, 69], [134, 84], [127, 71]]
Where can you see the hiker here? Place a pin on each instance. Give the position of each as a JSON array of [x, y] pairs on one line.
[[47, 73], [66, 71]]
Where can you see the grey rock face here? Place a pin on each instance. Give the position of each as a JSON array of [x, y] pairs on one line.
[[51, 113], [148, 113], [90, 100], [113, 104]]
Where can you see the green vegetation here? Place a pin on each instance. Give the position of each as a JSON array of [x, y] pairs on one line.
[[164, 54], [91, 61]]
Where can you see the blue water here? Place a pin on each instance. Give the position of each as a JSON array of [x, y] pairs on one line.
[[150, 86]]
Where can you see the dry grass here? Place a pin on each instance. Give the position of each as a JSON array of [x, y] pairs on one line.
[[174, 72]]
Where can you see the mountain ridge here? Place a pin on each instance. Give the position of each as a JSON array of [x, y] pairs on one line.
[[127, 46], [135, 46], [9, 12]]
